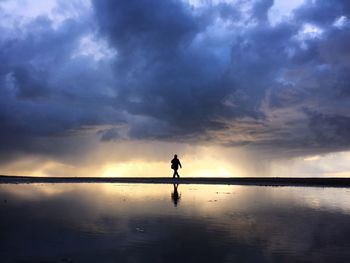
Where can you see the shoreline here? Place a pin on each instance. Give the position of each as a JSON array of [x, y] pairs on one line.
[[259, 181]]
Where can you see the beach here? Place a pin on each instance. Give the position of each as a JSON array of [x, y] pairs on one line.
[[262, 181]]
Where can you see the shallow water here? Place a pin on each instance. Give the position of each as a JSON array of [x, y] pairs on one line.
[[151, 223]]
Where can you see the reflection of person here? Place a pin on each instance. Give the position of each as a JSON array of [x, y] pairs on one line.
[[175, 195], [175, 163]]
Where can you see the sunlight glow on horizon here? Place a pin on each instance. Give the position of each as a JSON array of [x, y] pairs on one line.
[[205, 162], [162, 169]]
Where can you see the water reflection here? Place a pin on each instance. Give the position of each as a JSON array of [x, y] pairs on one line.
[[138, 223], [175, 196]]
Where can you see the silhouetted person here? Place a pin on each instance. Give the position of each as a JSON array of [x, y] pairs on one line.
[[175, 195], [175, 163]]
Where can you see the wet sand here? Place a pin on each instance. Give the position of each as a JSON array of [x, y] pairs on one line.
[[264, 181]]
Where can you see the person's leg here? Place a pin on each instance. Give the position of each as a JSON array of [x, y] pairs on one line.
[[178, 176], [174, 173]]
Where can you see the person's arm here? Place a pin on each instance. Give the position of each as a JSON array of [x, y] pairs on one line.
[[180, 164]]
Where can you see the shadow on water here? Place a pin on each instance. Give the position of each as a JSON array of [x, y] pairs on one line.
[[175, 196]]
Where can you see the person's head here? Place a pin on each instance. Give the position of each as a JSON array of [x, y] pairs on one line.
[[175, 156]]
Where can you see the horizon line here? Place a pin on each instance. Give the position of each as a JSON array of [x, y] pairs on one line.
[[258, 181]]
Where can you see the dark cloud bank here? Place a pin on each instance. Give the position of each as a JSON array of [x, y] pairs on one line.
[[208, 74]]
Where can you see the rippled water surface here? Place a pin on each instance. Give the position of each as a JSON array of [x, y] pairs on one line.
[[156, 223]]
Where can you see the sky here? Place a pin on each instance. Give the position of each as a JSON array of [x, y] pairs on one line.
[[234, 87]]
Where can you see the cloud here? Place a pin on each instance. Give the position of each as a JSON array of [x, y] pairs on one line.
[[171, 71], [45, 92], [270, 75]]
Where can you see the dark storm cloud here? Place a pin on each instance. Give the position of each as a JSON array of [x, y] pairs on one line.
[[323, 12], [260, 9], [45, 93], [219, 73], [331, 131], [164, 73], [193, 87]]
